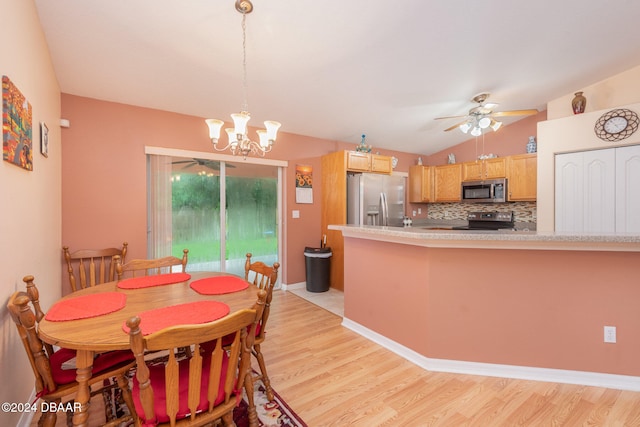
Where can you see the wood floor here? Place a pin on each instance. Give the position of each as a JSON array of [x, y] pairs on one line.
[[332, 376]]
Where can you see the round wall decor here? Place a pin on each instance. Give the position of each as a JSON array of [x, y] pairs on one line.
[[616, 125]]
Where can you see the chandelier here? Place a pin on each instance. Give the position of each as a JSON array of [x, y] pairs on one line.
[[238, 140]]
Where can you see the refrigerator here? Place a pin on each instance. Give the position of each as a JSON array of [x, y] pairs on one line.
[[375, 199]]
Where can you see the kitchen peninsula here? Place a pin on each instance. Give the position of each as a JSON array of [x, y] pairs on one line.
[[513, 304]]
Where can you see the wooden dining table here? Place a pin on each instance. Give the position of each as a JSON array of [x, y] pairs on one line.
[[104, 332]]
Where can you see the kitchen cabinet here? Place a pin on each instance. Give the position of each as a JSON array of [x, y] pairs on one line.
[[420, 184], [368, 162], [447, 180], [598, 191], [522, 175], [484, 169]]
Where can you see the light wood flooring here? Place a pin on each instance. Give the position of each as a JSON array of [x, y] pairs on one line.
[[332, 376]]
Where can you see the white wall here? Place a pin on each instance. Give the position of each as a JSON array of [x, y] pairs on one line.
[[30, 202]]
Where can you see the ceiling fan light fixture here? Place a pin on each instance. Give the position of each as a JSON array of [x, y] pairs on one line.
[[476, 131], [495, 125], [484, 122], [465, 127]]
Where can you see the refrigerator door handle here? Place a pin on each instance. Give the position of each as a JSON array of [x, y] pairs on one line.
[[384, 209]]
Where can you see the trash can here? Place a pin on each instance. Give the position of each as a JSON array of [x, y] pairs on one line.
[[317, 267]]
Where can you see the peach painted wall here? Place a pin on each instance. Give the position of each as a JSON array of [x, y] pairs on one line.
[[30, 211], [104, 176], [537, 308]]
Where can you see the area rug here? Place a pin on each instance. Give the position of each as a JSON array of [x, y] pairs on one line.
[[270, 414]]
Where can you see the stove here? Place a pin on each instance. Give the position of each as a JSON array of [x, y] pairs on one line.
[[489, 221]]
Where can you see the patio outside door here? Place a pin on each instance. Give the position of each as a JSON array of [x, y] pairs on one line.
[[219, 211]]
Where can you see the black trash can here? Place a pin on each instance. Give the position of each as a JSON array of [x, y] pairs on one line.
[[317, 266]]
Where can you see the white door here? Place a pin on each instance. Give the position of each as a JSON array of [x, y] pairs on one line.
[[628, 189], [585, 192]]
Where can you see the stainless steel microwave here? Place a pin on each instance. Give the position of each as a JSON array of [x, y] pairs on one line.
[[486, 191]]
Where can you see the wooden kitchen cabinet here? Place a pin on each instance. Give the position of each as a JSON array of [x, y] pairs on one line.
[[368, 162], [420, 184], [522, 175], [484, 169], [447, 180]]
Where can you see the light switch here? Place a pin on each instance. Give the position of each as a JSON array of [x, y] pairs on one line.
[[295, 214]]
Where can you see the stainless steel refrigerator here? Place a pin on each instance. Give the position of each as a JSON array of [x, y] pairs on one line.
[[375, 199]]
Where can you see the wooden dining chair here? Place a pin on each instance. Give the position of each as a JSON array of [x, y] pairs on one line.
[[263, 276], [52, 380], [92, 266], [204, 387], [146, 267]]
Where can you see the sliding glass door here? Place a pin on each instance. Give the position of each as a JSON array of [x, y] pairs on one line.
[[218, 210]]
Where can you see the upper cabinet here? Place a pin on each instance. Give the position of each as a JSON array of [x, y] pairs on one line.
[[522, 175], [420, 184], [368, 162], [484, 169], [447, 180]]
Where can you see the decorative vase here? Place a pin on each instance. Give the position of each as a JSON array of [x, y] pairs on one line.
[[578, 103], [532, 147]]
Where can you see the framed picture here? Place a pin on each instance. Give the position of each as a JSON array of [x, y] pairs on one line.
[[17, 138], [44, 139]]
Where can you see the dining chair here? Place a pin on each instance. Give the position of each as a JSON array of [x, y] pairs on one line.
[[93, 266], [54, 380], [146, 267], [204, 387], [264, 277]]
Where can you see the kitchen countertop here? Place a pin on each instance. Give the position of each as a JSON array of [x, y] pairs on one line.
[[493, 239]]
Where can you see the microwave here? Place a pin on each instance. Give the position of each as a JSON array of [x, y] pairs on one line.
[[486, 191]]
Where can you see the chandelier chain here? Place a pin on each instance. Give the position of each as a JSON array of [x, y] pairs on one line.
[[245, 86]]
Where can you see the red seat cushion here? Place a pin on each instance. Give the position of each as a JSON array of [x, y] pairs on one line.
[[157, 378], [101, 363]]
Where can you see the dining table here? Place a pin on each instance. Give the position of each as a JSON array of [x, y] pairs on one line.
[[92, 320]]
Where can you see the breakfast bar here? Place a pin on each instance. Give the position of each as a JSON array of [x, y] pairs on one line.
[[507, 303]]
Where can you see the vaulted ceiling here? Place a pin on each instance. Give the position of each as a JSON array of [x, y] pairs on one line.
[[336, 69]]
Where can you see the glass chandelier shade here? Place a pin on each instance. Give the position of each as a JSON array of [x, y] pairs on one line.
[[476, 124]]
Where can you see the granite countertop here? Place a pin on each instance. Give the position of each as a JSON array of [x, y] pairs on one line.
[[495, 239]]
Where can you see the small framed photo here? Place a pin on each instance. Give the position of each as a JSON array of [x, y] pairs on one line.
[[44, 139]]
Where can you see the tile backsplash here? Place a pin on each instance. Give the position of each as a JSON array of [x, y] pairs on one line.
[[522, 211]]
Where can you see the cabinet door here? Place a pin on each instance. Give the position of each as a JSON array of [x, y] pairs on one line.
[[358, 161], [495, 168], [523, 177], [628, 189], [381, 164], [472, 171], [585, 192], [447, 180], [420, 184]]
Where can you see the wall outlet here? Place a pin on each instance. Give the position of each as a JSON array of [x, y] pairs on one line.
[[414, 213], [610, 334], [295, 214], [419, 211]]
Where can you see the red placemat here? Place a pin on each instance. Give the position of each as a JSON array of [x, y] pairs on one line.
[[86, 306], [155, 280], [219, 285], [193, 313]]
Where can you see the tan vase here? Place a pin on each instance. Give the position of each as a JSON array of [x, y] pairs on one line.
[[579, 103]]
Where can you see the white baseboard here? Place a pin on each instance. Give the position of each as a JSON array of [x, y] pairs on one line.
[[27, 416], [292, 286], [620, 382]]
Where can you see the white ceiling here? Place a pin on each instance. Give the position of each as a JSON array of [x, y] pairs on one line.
[[335, 69]]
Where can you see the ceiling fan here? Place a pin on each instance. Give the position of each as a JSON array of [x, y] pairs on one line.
[[482, 116], [209, 164]]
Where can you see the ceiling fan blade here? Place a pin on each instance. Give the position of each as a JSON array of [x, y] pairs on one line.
[[455, 126], [449, 117], [515, 113], [181, 161]]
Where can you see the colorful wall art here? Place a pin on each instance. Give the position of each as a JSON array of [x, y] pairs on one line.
[[17, 140]]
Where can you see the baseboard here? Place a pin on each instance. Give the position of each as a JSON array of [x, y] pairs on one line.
[[620, 382], [299, 285]]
